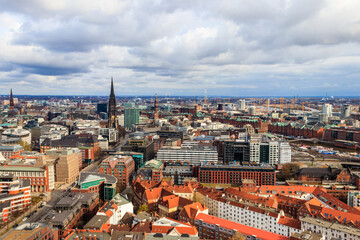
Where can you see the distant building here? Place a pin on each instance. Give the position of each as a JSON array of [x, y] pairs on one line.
[[112, 121], [101, 108], [131, 115]]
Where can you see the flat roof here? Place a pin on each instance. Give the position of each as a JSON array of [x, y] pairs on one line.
[[19, 169]]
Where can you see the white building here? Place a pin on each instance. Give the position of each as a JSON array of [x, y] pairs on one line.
[[123, 205], [284, 152], [195, 155], [330, 230], [264, 219], [109, 133], [22, 134]]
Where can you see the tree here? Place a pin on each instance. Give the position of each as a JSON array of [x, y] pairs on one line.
[[26, 146], [143, 208], [238, 236], [288, 171], [98, 154]]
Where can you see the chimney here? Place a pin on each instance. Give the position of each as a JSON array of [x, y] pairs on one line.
[[94, 238], [84, 238]]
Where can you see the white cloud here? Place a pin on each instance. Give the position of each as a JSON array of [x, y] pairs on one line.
[[279, 47]]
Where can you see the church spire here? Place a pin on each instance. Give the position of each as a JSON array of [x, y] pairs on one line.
[[156, 106], [11, 100], [112, 87], [112, 121]]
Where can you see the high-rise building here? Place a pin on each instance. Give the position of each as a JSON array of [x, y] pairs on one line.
[[345, 111], [131, 115], [326, 112], [112, 121], [236, 152], [102, 107], [242, 105]]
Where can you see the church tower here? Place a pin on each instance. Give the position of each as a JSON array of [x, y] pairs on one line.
[[156, 113], [11, 100], [112, 121]]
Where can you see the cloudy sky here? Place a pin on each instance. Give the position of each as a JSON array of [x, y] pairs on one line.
[[235, 48]]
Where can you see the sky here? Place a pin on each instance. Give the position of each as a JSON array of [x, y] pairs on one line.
[[184, 47]]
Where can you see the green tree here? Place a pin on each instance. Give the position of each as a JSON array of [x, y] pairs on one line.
[[143, 208], [25, 145]]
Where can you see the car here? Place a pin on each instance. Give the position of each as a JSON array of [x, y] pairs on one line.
[[41, 206], [15, 225], [24, 219]]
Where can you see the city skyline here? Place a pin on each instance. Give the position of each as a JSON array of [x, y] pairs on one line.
[[286, 48]]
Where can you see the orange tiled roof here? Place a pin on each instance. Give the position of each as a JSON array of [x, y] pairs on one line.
[[261, 234]]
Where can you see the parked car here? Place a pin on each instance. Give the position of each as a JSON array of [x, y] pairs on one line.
[[15, 225], [24, 219]]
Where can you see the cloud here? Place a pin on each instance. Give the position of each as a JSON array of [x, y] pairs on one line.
[[242, 48]]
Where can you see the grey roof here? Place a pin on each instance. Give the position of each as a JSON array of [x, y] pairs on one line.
[[84, 176], [96, 222]]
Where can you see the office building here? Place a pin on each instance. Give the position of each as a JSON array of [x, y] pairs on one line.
[[121, 167], [101, 108], [194, 155], [131, 115], [67, 164]]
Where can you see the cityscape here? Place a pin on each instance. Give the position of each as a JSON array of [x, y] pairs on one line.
[[146, 120]]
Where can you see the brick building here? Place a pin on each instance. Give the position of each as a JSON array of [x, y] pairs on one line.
[[41, 178], [11, 151], [222, 174], [121, 167]]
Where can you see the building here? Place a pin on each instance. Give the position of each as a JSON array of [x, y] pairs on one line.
[[345, 111], [140, 145], [234, 174], [194, 155], [121, 167], [71, 208], [33, 231], [102, 184], [14, 195], [11, 151], [101, 108], [178, 172], [236, 152], [167, 133], [151, 170], [68, 163], [42, 179], [211, 227], [331, 230], [131, 115], [110, 134], [86, 143]]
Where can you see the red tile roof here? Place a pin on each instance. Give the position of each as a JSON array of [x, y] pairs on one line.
[[250, 231]]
